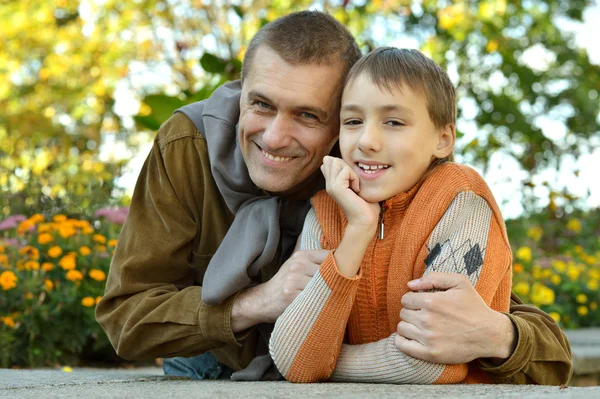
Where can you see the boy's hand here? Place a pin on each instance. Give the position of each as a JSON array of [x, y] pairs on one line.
[[342, 185]]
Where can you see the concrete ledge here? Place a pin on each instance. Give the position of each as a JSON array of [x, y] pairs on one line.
[[97, 383]]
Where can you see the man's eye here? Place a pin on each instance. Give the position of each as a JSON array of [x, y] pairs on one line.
[[263, 105], [308, 115]]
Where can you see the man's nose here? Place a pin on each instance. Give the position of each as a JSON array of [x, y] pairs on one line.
[[279, 132], [370, 139]]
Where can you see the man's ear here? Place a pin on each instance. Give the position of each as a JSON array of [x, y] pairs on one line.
[[446, 139]]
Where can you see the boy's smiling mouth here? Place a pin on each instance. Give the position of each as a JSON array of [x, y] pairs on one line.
[[371, 169]]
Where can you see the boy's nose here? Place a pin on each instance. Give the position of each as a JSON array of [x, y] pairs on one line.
[[370, 139], [278, 133]]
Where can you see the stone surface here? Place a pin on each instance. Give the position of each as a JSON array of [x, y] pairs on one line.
[[149, 382], [585, 347]]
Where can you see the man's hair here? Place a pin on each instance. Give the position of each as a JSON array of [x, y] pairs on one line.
[[306, 37], [391, 68]]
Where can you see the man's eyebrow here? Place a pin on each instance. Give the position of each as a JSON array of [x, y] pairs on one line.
[[257, 94]]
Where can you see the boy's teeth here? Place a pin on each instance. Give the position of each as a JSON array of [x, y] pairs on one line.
[[366, 167]]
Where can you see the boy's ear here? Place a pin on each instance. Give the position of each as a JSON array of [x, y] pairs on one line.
[[447, 137]]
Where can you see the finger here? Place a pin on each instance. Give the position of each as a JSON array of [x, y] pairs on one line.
[[317, 256], [411, 348], [354, 180], [419, 300], [439, 281], [411, 316], [410, 331], [302, 282]]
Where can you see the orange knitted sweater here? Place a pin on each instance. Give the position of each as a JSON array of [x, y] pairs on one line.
[[342, 329]]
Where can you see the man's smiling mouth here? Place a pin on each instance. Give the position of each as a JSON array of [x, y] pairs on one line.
[[275, 158]]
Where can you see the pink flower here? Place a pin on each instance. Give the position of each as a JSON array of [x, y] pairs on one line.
[[116, 216], [11, 222]]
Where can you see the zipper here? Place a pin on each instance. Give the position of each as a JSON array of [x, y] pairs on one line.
[[380, 231]]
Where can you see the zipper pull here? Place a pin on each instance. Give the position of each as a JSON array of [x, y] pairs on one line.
[[380, 231]]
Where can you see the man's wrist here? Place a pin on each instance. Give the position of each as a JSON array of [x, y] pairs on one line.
[[247, 310], [506, 339]]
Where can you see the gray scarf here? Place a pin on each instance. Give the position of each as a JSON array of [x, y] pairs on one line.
[[261, 224]]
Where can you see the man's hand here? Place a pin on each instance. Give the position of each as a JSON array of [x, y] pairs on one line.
[[452, 326], [264, 303]]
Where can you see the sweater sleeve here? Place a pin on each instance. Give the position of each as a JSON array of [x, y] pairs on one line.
[[458, 244], [306, 340]]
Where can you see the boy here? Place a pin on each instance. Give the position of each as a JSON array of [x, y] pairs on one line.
[[395, 209]]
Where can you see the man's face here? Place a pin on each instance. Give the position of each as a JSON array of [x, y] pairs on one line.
[[289, 119]]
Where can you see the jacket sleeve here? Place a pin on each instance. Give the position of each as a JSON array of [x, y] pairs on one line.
[[542, 355], [151, 306]]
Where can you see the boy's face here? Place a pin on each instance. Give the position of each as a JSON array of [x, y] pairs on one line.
[[387, 137]]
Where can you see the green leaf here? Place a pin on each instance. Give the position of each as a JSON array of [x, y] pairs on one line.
[[163, 106], [238, 10], [213, 64]]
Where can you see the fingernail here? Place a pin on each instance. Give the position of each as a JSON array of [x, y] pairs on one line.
[[412, 283]]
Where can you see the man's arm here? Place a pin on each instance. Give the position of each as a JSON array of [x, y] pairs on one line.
[[524, 346]]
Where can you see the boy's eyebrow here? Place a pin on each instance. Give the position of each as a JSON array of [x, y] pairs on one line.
[[385, 108], [320, 113]]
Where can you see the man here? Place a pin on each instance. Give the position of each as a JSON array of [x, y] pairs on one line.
[[202, 261]]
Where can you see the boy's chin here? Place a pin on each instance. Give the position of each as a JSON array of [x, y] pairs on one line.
[[372, 196]]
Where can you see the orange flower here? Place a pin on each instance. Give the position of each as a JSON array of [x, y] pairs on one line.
[[59, 218], [30, 251], [66, 231], [101, 248], [45, 238], [87, 230], [47, 266], [98, 298], [37, 218], [112, 243], [48, 284], [2, 248], [55, 252], [85, 251], [518, 268], [97, 275], [99, 238], [44, 228], [8, 321], [3, 259], [88, 301], [8, 280], [67, 262], [28, 296], [74, 275], [32, 265]]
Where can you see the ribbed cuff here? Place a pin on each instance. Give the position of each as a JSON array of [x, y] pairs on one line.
[[337, 282], [215, 323], [519, 358]]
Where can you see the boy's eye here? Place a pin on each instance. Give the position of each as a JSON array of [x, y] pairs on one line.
[[353, 122], [394, 123]]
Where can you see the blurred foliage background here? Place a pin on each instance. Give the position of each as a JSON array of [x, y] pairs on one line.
[[85, 84]]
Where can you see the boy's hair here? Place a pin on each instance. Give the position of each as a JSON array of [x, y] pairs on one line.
[[306, 37], [391, 67]]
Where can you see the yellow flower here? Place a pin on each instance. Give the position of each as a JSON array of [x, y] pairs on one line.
[[98, 298], [535, 233], [555, 279], [555, 316], [97, 275], [101, 248], [45, 238], [524, 254], [542, 295], [99, 238], [28, 296], [594, 305], [67, 369], [2, 249], [9, 321], [47, 266], [88, 301], [87, 230], [595, 274], [44, 228], [48, 284], [112, 243], [592, 285], [518, 268], [521, 288], [578, 249], [32, 265], [85, 251], [37, 218], [492, 46], [55, 252], [8, 280], [3, 259], [74, 275], [546, 273], [574, 225], [559, 265], [66, 231], [581, 298], [59, 218], [67, 262], [573, 272], [30, 251], [582, 310]]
